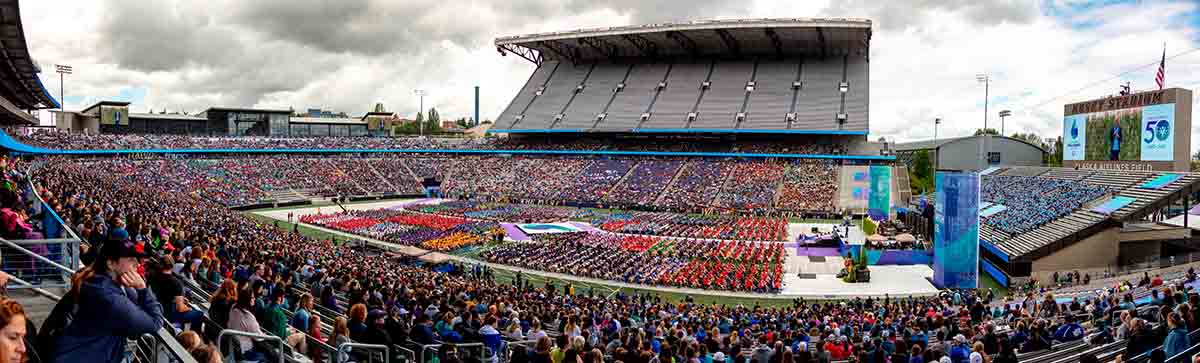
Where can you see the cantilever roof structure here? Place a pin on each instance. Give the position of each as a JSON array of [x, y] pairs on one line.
[[713, 38], [20, 87]]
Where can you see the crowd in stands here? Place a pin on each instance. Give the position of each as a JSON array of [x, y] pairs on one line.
[[59, 139], [752, 186], [696, 263], [264, 275], [810, 186], [646, 183], [1033, 201]]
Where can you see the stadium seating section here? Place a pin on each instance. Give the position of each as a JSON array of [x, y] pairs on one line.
[[696, 95]]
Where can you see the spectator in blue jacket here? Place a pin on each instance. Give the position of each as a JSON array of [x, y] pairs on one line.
[[113, 305], [1177, 337], [960, 352], [1069, 332]]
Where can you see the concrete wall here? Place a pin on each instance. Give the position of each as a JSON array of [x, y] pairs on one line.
[[1097, 251], [964, 154], [1135, 252]]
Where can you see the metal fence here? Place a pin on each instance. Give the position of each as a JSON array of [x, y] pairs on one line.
[[234, 352]]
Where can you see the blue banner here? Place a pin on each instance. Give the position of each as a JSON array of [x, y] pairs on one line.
[[1112, 205], [1160, 181], [956, 230], [880, 202]]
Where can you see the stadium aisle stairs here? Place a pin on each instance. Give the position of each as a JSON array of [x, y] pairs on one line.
[[389, 184], [782, 181], [620, 181], [671, 184]]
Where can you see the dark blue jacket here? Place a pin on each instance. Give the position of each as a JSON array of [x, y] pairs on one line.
[[107, 315], [1069, 332]]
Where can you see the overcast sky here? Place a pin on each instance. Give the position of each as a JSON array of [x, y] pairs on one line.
[[346, 55]]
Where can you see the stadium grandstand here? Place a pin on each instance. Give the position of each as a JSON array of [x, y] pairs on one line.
[[798, 76], [1050, 219], [640, 207]]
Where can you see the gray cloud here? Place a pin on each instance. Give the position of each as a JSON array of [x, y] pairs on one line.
[[904, 14]]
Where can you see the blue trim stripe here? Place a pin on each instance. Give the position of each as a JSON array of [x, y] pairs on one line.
[[7, 141], [688, 131], [994, 272], [992, 248]]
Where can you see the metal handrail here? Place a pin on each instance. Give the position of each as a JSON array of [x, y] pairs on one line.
[[36, 256], [346, 347], [262, 337], [46, 207]]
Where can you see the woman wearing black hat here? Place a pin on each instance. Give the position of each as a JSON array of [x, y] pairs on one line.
[[112, 304]]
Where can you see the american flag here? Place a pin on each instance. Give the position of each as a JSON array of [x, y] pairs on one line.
[[1162, 64]]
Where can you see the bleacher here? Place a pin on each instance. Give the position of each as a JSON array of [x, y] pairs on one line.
[[1082, 222], [707, 77], [700, 95]]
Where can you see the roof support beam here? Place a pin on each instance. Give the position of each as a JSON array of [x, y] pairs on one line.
[[564, 50], [601, 46], [685, 43], [730, 42], [529, 54], [643, 45], [821, 39], [775, 42]]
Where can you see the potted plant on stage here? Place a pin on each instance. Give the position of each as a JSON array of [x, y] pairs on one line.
[[861, 273]]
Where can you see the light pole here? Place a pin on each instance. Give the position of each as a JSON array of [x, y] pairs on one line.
[[421, 123], [1003, 114], [936, 122], [983, 77], [62, 70]]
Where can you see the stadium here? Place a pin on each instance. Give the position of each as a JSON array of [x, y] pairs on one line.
[[702, 191]]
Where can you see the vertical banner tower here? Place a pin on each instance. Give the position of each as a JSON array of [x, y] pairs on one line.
[[956, 230]]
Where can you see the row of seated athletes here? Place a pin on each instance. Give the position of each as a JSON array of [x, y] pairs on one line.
[[271, 271]]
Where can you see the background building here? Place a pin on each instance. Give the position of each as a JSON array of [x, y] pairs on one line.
[[963, 153]]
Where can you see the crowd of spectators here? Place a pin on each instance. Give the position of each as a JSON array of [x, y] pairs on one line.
[[645, 183], [810, 186], [637, 183], [265, 273], [59, 139], [752, 185], [1031, 201]]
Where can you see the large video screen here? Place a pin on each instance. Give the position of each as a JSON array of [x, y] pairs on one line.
[[1133, 134]]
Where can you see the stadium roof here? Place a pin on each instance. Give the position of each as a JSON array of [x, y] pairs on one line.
[[20, 86], [329, 120], [714, 38], [166, 116], [937, 143]]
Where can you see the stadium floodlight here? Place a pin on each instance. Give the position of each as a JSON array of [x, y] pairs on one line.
[[1003, 114], [986, 80], [62, 69], [936, 122], [421, 123]]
